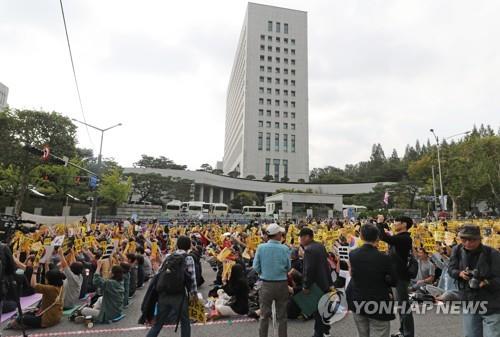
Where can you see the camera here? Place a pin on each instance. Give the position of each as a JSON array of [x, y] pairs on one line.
[[474, 279], [10, 224]]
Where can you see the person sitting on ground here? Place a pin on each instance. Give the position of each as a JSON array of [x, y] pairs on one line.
[[126, 282], [110, 305], [73, 282], [426, 270], [132, 261], [233, 296], [51, 310]]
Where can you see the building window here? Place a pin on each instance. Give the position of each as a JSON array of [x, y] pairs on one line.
[[285, 92], [293, 62], [292, 41], [293, 143], [276, 91], [292, 51], [277, 81], [269, 48], [293, 72], [293, 83], [269, 26], [285, 40], [278, 49], [277, 142], [293, 126], [277, 102], [261, 101], [262, 58], [268, 166], [277, 113], [278, 27], [285, 142], [278, 39], [285, 60], [277, 60], [261, 124], [285, 114], [268, 90], [262, 37], [261, 79], [269, 69], [268, 101], [270, 38], [285, 71], [277, 70], [276, 163], [285, 28], [269, 80], [268, 113], [293, 115], [262, 47], [293, 104], [285, 103], [268, 141], [293, 93], [261, 112], [261, 68], [269, 59], [286, 51], [285, 126], [268, 124], [285, 168], [276, 125], [261, 90], [260, 141], [285, 81]]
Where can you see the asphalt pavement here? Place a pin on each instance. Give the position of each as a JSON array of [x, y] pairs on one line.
[[428, 325]]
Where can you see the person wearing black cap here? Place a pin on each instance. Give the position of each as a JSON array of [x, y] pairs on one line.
[[316, 271], [476, 267], [400, 246]]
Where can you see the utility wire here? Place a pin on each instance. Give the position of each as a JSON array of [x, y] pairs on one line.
[[74, 73]]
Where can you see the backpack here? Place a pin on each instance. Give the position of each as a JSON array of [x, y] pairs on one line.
[[411, 266], [172, 276]]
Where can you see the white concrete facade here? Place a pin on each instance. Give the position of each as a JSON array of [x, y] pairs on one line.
[[4, 94], [267, 129], [209, 181], [288, 199]]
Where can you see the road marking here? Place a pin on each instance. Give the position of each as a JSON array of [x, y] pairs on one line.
[[133, 328]]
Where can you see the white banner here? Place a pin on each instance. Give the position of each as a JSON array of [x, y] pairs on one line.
[[53, 220]]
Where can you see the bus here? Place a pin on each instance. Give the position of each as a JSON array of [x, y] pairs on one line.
[[219, 209], [256, 211], [195, 208], [173, 208]]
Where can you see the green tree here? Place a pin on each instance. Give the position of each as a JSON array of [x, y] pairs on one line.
[[244, 199], [155, 188], [159, 163], [37, 128], [206, 168], [113, 189]]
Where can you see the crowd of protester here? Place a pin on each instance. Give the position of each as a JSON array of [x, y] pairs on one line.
[[97, 270]]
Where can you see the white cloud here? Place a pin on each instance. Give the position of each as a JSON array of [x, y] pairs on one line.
[[379, 71]]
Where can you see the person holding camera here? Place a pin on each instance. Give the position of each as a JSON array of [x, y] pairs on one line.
[[476, 268]]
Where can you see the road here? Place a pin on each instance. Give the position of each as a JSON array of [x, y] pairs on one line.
[[428, 325]]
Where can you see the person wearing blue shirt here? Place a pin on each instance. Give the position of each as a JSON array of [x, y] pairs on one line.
[[272, 263]]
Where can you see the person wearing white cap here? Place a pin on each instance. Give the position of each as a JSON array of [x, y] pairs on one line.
[[272, 263]]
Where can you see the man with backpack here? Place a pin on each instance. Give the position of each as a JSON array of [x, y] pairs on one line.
[[400, 251], [476, 269], [176, 281]]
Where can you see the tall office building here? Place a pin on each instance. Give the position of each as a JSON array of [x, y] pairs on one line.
[[4, 94], [267, 97]]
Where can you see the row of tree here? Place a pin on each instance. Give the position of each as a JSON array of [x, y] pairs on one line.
[[470, 174]]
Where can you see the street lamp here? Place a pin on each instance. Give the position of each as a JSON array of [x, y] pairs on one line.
[[99, 161], [439, 163]]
